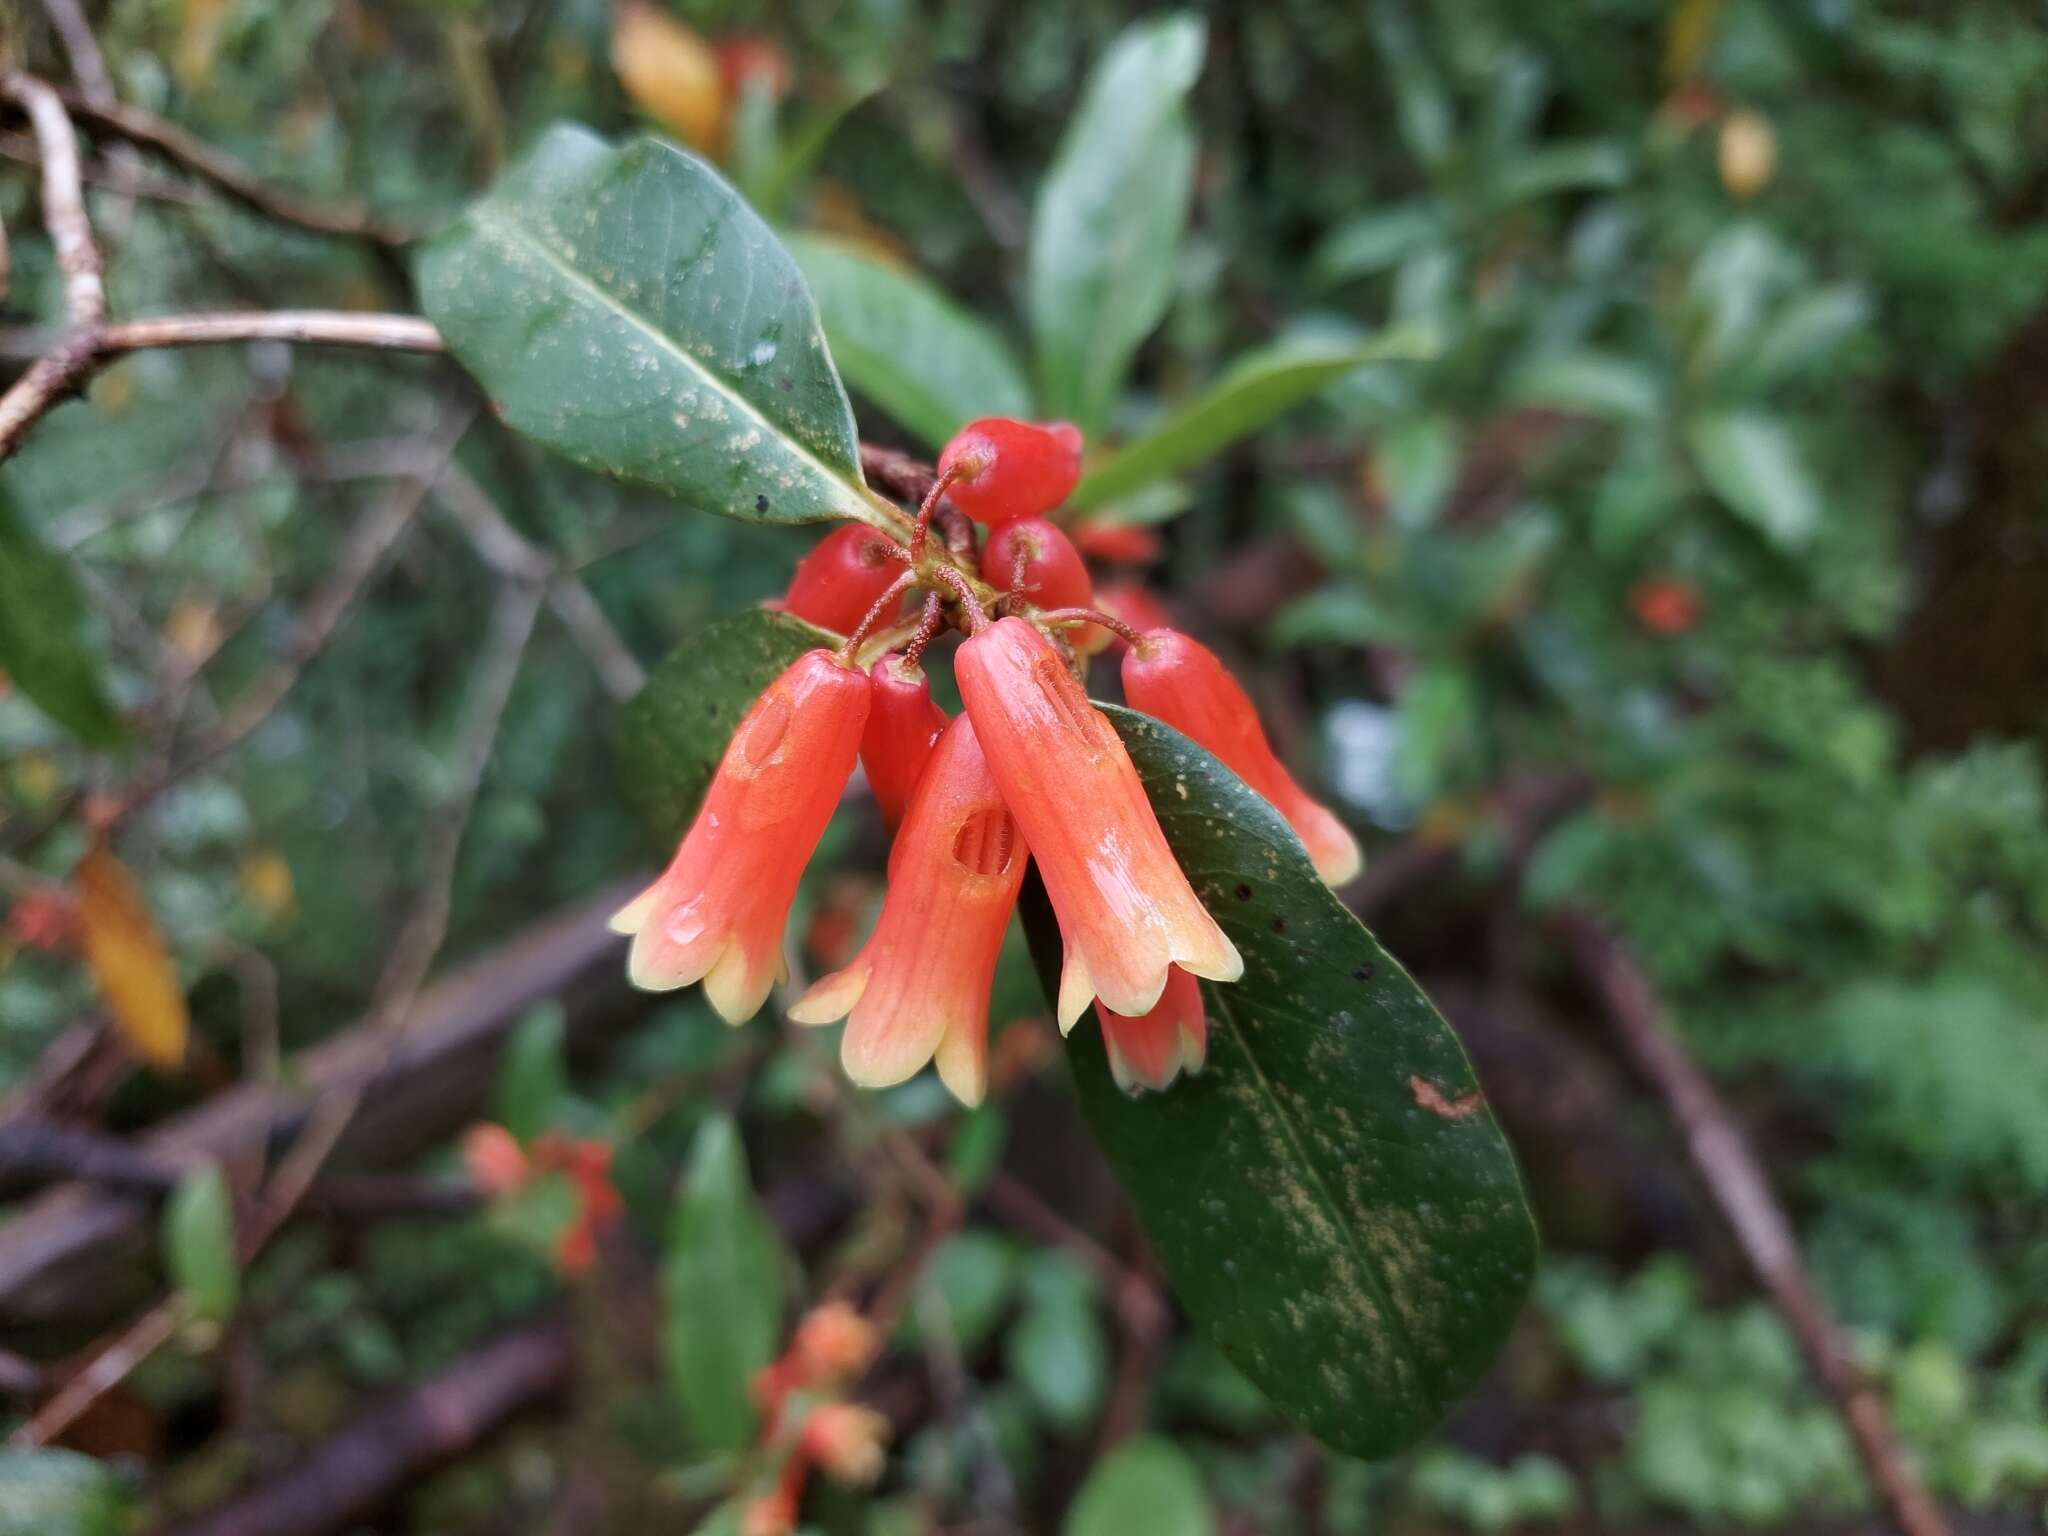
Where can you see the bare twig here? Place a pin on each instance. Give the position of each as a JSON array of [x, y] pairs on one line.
[[230, 175], [109, 1366], [21, 147], [88, 64], [357, 1470], [511, 554], [1736, 1180], [85, 292], [64, 369], [405, 973]]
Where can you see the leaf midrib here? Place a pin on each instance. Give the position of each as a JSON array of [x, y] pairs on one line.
[[857, 504]]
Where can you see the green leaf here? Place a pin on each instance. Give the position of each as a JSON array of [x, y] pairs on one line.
[[1148, 1484], [965, 1289], [199, 1243], [1751, 462], [1593, 165], [1257, 387], [906, 346], [1331, 1202], [533, 1082], [1373, 242], [42, 644], [721, 1282], [59, 1493], [1107, 227], [626, 308], [673, 732], [1058, 1355]]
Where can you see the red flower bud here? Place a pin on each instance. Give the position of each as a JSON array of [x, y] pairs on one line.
[[717, 914], [1175, 679], [903, 724], [1664, 605], [1119, 543], [497, 1165], [839, 580], [1126, 911], [1009, 469], [920, 986], [1134, 603], [1152, 1050], [1032, 558]]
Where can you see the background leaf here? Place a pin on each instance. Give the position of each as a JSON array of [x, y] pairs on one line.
[[42, 644], [129, 964], [1258, 387], [59, 1493], [721, 1290], [533, 1083], [1331, 1202], [673, 732], [199, 1243], [1148, 1484], [1753, 465], [1107, 227], [626, 307], [902, 343]]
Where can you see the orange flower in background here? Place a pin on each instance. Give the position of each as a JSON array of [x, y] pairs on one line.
[[903, 726], [920, 986], [1178, 680], [496, 1162], [717, 914], [1152, 1050], [1118, 543], [42, 918], [1126, 911], [1135, 603], [1664, 605]]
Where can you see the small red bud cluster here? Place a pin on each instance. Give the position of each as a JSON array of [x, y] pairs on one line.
[[803, 1418], [501, 1168], [1031, 770]]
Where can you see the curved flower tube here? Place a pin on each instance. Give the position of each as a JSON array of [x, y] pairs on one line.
[[1180, 681], [920, 985], [717, 914], [1152, 1050], [1126, 912], [903, 725]]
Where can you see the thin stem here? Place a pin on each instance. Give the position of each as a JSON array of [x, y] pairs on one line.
[[927, 627], [927, 507], [977, 617], [891, 595], [1063, 617]]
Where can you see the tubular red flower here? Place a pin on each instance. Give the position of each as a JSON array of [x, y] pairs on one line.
[[718, 912], [1154, 1049], [920, 986], [839, 580], [1126, 911], [1180, 681], [903, 725]]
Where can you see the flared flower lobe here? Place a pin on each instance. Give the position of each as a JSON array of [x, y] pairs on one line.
[[920, 986], [1152, 1050], [1180, 681], [717, 913], [1126, 911]]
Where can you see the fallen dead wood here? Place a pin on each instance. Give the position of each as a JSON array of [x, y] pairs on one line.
[[77, 1251]]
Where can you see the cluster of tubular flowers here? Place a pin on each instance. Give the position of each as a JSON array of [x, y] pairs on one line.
[[1030, 771]]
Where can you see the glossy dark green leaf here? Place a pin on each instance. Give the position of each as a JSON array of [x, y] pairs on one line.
[[721, 1286], [1257, 388], [625, 307], [199, 1243], [42, 641], [1106, 231], [1331, 1200], [60, 1493], [1148, 1484], [673, 732], [905, 345]]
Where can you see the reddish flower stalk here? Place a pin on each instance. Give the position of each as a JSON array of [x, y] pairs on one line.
[[1126, 911]]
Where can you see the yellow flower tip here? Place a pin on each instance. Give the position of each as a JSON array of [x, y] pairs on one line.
[[831, 998], [647, 969], [632, 917], [962, 1061], [1077, 990], [736, 986]]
